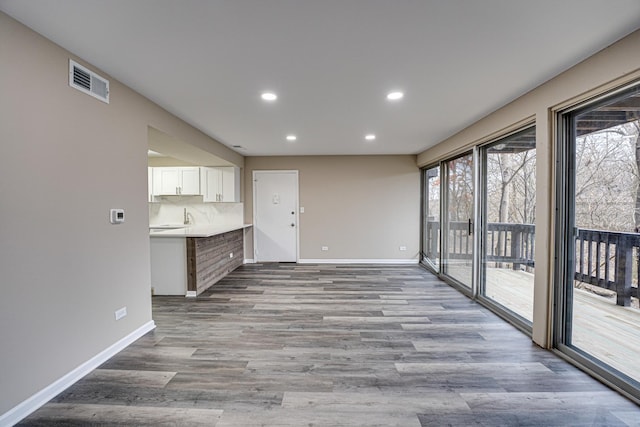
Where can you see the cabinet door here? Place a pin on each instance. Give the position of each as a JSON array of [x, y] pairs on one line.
[[190, 181], [166, 181], [212, 183], [229, 184], [150, 183]]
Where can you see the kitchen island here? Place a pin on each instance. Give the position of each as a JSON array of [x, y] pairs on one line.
[[187, 260]]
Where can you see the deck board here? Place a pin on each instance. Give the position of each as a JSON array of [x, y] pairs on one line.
[[603, 329]]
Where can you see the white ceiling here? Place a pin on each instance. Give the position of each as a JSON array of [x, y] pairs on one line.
[[331, 62]]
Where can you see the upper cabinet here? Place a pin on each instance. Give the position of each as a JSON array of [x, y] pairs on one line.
[[150, 182], [219, 184], [180, 181]]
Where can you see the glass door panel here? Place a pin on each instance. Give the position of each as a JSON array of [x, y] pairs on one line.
[[431, 226], [458, 226], [601, 313], [509, 189]]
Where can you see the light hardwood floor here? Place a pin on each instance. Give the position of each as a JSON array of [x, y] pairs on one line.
[[328, 345]]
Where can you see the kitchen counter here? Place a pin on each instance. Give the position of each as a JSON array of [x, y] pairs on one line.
[[189, 260], [204, 230]]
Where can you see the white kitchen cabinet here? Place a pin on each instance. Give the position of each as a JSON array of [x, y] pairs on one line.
[[168, 265], [231, 184], [181, 181], [190, 181], [212, 184], [221, 184], [150, 183]]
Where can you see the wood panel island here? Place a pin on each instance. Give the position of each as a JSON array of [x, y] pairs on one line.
[[188, 260]]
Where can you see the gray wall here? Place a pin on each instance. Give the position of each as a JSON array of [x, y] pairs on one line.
[[65, 160], [614, 66], [361, 207]]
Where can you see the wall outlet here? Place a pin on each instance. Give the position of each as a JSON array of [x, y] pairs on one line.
[[325, 248], [403, 248], [301, 209], [231, 255], [121, 313]]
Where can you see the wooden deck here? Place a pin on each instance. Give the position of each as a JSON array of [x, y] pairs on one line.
[[601, 328], [512, 289]]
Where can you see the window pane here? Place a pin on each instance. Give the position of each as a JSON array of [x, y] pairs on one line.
[[431, 229], [509, 231], [458, 255], [605, 318]]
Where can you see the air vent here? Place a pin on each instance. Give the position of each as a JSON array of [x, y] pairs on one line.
[[88, 82]]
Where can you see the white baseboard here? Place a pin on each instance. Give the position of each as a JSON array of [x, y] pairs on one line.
[[191, 294], [22, 410], [358, 261], [249, 261]]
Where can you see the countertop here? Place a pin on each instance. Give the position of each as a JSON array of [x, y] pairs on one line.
[[204, 230]]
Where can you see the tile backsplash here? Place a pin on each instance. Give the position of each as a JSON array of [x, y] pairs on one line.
[[170, 210]]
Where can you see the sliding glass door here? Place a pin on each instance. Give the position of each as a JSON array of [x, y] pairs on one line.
[[431, 218], [496, 265], [598, 322], [457, 238], [508, 204]]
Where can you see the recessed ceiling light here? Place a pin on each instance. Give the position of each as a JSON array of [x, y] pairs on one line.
[[370, 137], [291, 137], [394, 96], [269, 96]]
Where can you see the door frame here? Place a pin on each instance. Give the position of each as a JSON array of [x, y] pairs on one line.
[[469, 290], [424, 211], [565, 233], [505, 312], [297, 207]]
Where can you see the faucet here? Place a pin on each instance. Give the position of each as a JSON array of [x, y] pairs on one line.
[[186, 217]]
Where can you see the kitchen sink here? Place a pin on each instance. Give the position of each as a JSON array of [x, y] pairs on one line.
[[166, 227]]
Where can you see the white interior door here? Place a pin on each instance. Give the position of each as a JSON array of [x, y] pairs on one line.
[[275, 216]]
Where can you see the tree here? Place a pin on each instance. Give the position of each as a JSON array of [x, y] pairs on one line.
[[607, 180]]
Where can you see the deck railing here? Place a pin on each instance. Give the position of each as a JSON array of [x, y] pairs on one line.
[[606, 259]]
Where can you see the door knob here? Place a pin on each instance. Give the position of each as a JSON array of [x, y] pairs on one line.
[[293, 225]]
